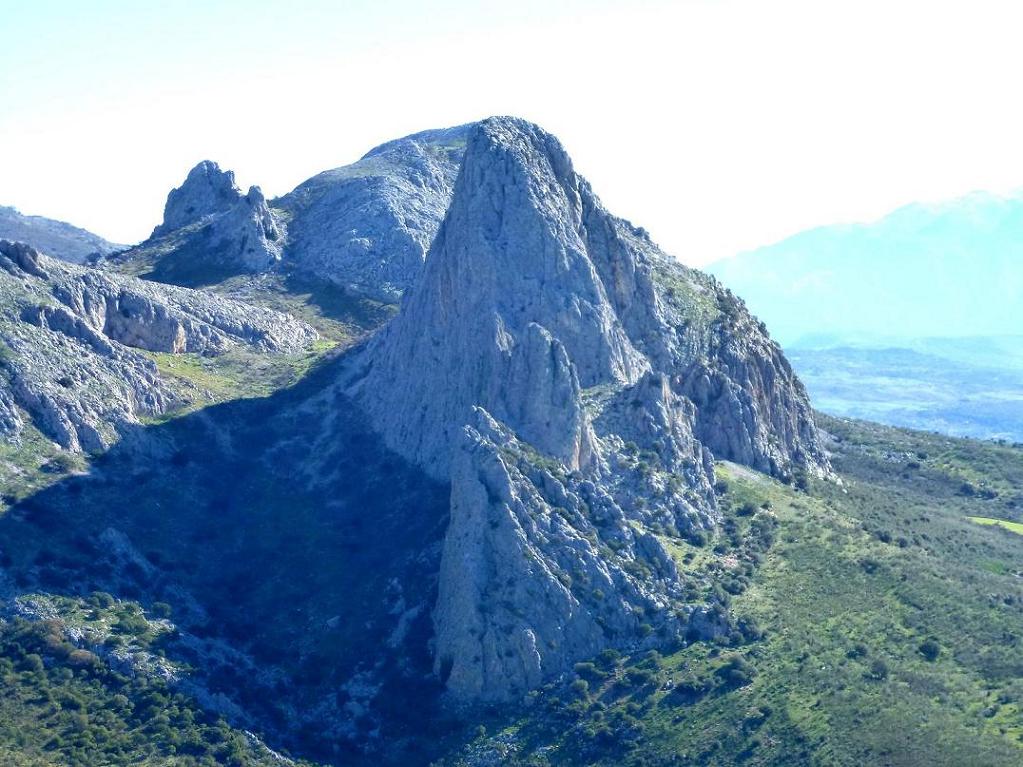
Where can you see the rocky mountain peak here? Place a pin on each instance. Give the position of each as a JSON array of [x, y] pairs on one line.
[[545, 342], [207, 190], [510, 306], [209, 218]]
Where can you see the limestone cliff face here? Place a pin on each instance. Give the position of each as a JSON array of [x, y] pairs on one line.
[[510, 311], [69, 337], [574, 385], [526, 586]]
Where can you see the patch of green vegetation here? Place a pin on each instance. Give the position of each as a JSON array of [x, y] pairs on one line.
[[240, 373], [61, 703], [686, 294], [31, 464], [1014, 527]]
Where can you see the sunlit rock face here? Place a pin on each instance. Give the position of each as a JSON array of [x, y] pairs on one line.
[[367, 226]]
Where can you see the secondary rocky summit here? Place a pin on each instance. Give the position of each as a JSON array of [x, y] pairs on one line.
[[364, 227], [574, 385], [210, 230], [367, 226]]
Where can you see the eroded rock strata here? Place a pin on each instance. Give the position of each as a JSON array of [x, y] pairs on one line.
[[70, 338]]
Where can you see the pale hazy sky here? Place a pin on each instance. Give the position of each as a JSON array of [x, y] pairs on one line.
[[718, 126]]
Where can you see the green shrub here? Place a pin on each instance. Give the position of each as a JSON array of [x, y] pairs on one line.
[[878, 670], [930, 650]]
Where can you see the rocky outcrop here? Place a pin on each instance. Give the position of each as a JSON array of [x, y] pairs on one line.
[[211, 224], [574, 385], [528, 580], [69, 337], [367, 226], [206, 191], [750, 406]]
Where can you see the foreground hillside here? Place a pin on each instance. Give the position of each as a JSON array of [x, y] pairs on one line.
[[875, 624]]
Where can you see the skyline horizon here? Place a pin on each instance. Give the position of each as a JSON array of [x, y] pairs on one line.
[[717, 126], [1012, 192]]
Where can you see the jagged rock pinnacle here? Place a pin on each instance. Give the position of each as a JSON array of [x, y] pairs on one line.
[[207, 190], [233, 228]]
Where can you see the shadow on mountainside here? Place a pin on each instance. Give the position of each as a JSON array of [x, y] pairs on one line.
[[278, 527]]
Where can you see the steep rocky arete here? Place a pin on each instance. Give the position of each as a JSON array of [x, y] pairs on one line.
[[574, 385], [70, 335]]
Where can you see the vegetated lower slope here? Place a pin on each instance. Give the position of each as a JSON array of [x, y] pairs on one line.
[[875, 623], [881, 627], [286, 564], [61, 704], [54, 238], [231, 503]]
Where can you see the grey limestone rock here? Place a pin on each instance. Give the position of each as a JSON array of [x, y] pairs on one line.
[[367, 226], [206, 191], [209, 221], [528, 584]]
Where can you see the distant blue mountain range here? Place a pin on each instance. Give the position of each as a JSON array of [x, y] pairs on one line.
[[914, 320], [948, 270]]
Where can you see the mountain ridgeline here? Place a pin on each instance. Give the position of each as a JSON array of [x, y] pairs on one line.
[[947, 270], [364, 227], [54, 238]]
